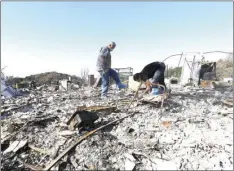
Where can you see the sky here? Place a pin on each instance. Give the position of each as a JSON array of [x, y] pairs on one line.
[[64, 36]]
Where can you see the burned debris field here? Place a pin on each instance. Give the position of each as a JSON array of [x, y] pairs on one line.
[[49, 129]]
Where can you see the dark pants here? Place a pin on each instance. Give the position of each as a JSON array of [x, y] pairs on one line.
[[159, 76]]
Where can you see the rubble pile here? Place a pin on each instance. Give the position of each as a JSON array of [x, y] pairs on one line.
[[194, 131]]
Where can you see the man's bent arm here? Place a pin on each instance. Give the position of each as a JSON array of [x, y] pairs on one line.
[[103, 55]]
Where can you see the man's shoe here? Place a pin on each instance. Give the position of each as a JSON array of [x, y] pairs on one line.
[[157, 91], [121, 86]]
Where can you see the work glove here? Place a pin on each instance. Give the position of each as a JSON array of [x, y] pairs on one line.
[[148, 89]]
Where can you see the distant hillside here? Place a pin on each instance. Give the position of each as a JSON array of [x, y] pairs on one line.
[[45, 78], [224, 67]]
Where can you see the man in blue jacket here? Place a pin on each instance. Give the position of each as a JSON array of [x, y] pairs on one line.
[[105, 70]]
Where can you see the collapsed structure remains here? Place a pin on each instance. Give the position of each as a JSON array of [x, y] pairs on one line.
[[51, 128]]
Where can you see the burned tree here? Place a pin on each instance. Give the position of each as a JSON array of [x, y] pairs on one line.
[[84, 74]]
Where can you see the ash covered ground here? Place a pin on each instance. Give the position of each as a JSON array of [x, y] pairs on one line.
[[194, 131]]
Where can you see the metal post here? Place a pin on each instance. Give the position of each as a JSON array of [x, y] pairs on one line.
[[192, 68], [180, 59], [215, 70]]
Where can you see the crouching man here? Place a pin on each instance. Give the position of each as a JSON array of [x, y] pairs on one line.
[[152, 74], [105, 70]]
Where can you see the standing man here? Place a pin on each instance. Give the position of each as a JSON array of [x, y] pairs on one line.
[[155, 72], [104, 68]]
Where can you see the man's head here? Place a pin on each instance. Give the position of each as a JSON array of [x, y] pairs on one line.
[[138, 77], [111, 46]]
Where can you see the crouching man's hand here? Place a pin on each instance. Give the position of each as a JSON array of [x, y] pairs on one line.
[[148, 86]]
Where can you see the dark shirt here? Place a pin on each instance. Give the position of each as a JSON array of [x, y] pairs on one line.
[[151, 68]]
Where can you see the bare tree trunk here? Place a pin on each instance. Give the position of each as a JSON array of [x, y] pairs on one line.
[[84, 74]]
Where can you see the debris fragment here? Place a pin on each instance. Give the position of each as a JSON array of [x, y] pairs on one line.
[[167, 124], [54, 151], [15, 146], [82, 119], [37, 149], [228, 102], [50, 99], [129, 165], [66, 133]]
